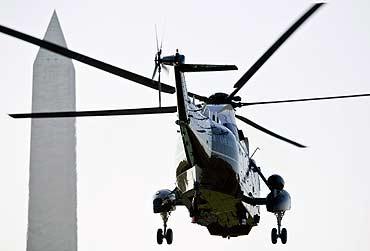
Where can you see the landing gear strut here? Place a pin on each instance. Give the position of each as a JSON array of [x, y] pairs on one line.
[[279, 233], [165, 233]]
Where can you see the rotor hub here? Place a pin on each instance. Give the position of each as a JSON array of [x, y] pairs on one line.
[[222, 98]]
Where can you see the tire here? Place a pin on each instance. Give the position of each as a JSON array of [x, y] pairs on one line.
[[159, 236], [274, 236], [169, 236], [284, 236]]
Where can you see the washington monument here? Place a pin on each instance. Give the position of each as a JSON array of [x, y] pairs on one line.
[[52, 219]]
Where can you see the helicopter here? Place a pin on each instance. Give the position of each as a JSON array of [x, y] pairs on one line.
[[218, 180]]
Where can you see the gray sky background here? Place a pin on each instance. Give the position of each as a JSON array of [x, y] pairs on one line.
[[122, 161]]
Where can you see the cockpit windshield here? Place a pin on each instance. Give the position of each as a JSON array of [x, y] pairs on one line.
[[232, 127], [223, 115]]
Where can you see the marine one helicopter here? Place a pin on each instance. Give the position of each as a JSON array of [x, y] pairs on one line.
[[218, 180]]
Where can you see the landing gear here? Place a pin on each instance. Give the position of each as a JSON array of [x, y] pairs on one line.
[[277, 201], [165, 233], [194, 212], [279, 233]]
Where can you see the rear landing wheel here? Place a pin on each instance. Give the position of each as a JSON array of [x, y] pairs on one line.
[[160, 236], [169, 236], [284, 236], [274, 235]]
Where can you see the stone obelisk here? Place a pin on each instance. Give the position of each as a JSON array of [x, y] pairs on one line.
[[52, 219]]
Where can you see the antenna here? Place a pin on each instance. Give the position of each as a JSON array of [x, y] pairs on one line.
[[255, 152]]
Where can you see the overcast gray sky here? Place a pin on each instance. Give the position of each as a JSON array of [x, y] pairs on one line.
[[122, 161]]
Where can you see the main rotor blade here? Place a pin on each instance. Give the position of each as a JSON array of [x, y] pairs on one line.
[[66, 114], [257, 65], [251, 123], [305, 99], [199, 97], [87, 60]]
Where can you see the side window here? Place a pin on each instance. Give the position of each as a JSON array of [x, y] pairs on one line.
[[215, 118]]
